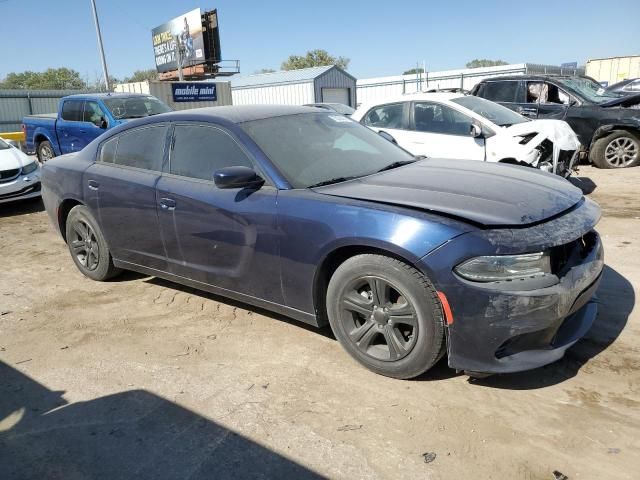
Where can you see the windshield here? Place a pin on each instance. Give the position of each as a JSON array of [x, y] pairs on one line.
[[4, 145], [313, 148], [135, 107], [589, 89], [493, 112]]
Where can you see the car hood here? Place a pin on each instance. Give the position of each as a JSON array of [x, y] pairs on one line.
[[483, 193], [13, 158], [558, 131], [626, 101]]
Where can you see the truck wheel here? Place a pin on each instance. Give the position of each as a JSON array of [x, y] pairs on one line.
[[87, 245], [386, 315], [620, 149], [45, 151]]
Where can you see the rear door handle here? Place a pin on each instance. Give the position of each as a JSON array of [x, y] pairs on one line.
[[167, 204], [93, 185]]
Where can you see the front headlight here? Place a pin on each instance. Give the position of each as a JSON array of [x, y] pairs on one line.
[[30, 168], [505, 267]]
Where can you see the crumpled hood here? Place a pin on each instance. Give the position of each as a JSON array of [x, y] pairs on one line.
[[558, 131], [626, 101], [13, 158], [481, 192]]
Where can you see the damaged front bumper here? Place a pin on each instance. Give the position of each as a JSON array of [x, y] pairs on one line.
[[509, 326]]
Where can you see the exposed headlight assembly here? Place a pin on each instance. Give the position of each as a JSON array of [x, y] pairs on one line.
[[30, 168], [505, 267]]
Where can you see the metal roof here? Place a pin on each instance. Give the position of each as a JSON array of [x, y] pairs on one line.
[[284, 76]]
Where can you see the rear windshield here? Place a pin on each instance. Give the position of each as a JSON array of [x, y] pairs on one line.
[[135, 107], [491, 111]]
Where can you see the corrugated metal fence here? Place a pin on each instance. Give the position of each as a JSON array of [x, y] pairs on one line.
[[15, 104]]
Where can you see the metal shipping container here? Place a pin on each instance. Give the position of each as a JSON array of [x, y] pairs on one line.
[[614, 69], [162, 91]]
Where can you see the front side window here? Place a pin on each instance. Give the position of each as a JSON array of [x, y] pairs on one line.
[[438, 118], [546, 93], [199, 150], [386, 116], [93, 113], [142, 148], [72, 110], [505, 91]]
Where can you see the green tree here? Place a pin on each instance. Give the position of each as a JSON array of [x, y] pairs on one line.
[[50, 79], [413, 71], [485, 63], [314, 58], [142, 75], [264, 70]]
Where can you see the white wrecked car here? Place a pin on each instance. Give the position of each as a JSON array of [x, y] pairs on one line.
[[455, 125]]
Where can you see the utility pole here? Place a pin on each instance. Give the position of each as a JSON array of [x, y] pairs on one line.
[[104, 61]]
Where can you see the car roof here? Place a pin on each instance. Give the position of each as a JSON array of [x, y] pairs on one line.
[[534, 77], [412, 97], [236, 113], [108, 95]]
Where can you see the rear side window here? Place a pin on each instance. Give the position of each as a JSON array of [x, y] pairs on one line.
[[200, 150], [108, 151], [142, 148], [386, 116], [499, 91], [72, 110]]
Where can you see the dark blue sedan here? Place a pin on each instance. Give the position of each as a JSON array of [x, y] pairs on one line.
[[314, 216]]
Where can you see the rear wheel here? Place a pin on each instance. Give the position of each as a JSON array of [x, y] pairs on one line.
[[45, 151], [87, 245], [619, 149], [386, 314]]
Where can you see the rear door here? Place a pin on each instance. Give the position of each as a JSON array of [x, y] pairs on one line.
[[222, 237], [509, 93], [439, 131], [122, 183]]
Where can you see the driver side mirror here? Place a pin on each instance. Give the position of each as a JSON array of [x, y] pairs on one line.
[[237, 177], [475, 131]]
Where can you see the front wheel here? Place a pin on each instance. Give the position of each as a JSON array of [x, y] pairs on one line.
[[87, 245], [619, 149], [45, 151], [386, 315]]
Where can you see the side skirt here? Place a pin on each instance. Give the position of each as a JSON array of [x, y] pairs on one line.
[[299, 315]]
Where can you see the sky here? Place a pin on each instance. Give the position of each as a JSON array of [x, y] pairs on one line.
[[380, 37]]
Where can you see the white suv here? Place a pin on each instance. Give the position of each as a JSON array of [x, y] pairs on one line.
[[455, 125]]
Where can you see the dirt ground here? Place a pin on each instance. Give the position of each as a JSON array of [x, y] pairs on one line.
[[142, 378]]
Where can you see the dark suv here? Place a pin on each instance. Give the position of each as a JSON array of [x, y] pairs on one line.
[[607, 124]]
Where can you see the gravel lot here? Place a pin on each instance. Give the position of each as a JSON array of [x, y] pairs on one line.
[[142, 378]]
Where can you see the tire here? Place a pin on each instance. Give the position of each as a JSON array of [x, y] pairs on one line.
[[386, 315], [620, 149], [87, 245], [45, 151]]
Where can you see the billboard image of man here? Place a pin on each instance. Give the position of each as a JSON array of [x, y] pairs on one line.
[[187, 43]]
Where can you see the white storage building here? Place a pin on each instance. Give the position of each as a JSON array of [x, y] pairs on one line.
[[379, 88], [328, 84]]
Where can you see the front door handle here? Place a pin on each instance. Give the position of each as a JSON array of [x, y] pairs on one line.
[[93, 185], [167, 204]]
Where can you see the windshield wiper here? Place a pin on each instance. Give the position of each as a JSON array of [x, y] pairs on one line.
[[331, 181], [396, 165]]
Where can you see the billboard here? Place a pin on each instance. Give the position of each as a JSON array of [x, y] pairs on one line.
[[184, 32]]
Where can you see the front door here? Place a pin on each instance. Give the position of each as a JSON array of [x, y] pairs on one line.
[[439, 131], [227, 238], [553, 103], [123, 181]]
